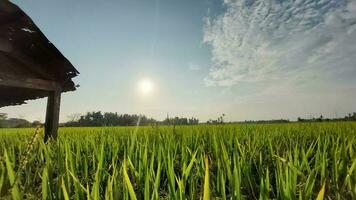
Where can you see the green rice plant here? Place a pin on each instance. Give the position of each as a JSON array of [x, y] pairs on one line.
[[128, 182], [245, 161], [321, 193], [65, 193], [15, 192], [206, 193]]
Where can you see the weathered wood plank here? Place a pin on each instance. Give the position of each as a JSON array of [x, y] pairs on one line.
[[19, 61], [52, 115], [30, 83]]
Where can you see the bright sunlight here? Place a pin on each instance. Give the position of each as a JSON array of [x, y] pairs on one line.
[[146, 86]]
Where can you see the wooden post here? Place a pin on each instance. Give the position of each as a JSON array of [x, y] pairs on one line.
[[52, 115]]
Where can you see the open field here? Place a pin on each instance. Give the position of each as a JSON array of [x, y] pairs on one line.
[[279, 161]]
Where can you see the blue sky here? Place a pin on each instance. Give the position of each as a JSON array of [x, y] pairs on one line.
[[247, 59]]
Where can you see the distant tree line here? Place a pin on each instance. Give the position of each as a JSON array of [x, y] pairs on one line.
[[6, 122], [321, 118], [110, 119], [267, 121], [219, 120], [180, 121], [114, 119]]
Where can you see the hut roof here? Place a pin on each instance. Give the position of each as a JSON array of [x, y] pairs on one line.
[[26, 53]]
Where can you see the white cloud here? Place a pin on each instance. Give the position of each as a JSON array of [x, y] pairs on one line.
[[283, 43]]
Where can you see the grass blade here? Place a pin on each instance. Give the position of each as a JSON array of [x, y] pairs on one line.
[[65, 193], [206, 195], [321, 193], [11, 174], [128, 183]]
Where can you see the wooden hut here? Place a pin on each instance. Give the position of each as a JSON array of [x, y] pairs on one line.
[[31, 67]]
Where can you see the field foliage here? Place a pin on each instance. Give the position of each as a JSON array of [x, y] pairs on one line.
[[275, 161]]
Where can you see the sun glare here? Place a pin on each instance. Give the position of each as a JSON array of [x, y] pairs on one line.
[[146, 86]]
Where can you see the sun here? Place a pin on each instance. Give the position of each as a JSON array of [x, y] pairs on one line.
[[146, 86]]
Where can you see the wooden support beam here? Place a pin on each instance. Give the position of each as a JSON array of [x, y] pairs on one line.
[[52, 115], [29, 83]]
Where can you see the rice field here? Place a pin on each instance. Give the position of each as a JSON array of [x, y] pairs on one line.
[[242, 161]]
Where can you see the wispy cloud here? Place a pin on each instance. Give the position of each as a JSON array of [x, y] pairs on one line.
[[290, 42], [194, 67]]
